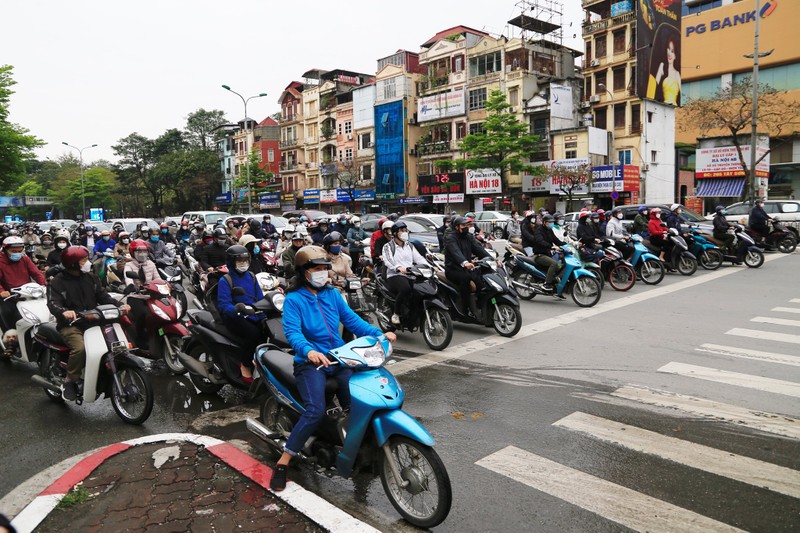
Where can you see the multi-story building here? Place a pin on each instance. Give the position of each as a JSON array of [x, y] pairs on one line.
[[227, 157], [266, 143], [364, 131], [623, 95], [729, 26], [291, 143]]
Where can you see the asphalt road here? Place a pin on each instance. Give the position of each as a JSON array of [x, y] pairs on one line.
[[665, 408]]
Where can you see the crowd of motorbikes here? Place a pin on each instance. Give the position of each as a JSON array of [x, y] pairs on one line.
[[376, 435]]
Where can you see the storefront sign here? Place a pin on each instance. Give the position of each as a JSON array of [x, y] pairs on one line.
[[311, 196], [631, 178], [270, 200], [413, 200], [723, 162], [224, 198], [450, 182], [448, 198], [327, 196], [344, 196], [695, 203], [441, 105], [729, 22], [555, 184], [607, 178], [287, 198], [483, 181]]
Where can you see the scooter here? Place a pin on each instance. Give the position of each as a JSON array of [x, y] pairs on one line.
[[165, 331], [169, 270], [212, 353], [709, 254], [376, 435], [528, 280], [434, 322], [110, 371], [496, 302], [780, 238], [680, 258], [32, 307], [615, 268], [647, 265], [746, 247]]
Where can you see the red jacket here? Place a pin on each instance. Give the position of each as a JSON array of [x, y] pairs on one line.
[[373, 239], [655, 228], [16, 274]]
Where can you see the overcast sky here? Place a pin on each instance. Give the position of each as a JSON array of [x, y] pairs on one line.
[[94, 71]]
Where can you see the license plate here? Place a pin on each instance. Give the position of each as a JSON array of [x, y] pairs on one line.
[[494, 301], [161, 332]]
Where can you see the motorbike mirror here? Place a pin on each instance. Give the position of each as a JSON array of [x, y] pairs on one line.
[[131, 275], [237, 291]]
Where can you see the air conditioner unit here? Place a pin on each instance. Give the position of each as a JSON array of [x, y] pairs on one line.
[[412, 121], [370, 145], [594, 98], [594, 63], [585, 105], [349, 136], [412, 151], [645, 167]]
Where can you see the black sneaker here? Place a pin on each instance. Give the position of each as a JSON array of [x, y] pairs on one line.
[[69, 391], [547, 287], [559, 296], [278, 481]]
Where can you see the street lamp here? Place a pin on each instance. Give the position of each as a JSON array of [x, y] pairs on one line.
[[80, 155], [246, 143]]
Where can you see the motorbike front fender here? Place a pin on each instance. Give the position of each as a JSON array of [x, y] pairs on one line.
[[436, 302], [648, 257], [175, 328], [688, 254], [579, 272], [397, 422]]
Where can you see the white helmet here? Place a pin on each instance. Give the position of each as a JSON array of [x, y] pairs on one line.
[[387, 225], [673, 207], [288, 228], [301, 229], [13, 240], [355, 219]]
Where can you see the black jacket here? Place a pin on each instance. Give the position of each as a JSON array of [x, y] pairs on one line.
[[527, 232], [587, 232], [544, 239], [440, 231], [758, 218], [68, 292], [460, 247], [54, 257], [720, 224], [211, 255]]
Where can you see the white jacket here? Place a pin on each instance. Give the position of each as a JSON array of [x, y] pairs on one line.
[[396, 256], [615, 229]]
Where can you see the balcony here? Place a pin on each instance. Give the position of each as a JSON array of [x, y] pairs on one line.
[[365, 152], [290, 117], [458, 77], [327, 169], [288, 143], [289, 167], [604, 24], [310, 139], [436, 147], [311, 166]]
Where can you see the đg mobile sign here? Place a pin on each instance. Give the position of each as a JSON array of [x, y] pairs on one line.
[[740, 19]]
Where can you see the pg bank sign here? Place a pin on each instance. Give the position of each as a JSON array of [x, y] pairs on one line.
[[728, 22]]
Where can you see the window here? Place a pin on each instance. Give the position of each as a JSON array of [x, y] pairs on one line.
[[271, 155], [571, 154], [348, 154], [389, 88], [587, 83], [703, 88], [619, 79], [653, 156], [461, 130], [619, 41], [513, 97], [650, 117], [339, 127], [588, 51], [600, 79], [741, 209], [458, 63], [312, 107], [348, 127], [600, 45], [632, 82], [485, 64], [624, 157], [619, 116], [476, 127], [365, 172], [600, 118], [790, 208], [477, 99], [365, 140], [340, 154], [636, 118]]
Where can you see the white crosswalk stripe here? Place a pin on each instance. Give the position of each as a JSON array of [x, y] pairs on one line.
[[611, 501], [716, 411], [735, 351], [722, 463], [794, 301], [787, 309], [777, 321], [764, 335], [749, 381]]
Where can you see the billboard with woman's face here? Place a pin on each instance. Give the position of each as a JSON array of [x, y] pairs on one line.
[[658, 42]]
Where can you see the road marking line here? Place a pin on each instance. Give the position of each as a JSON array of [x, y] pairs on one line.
[[777, 321], [494, 341], [764, 335], [786, 309], [614, 502], [732, 414], [734, 351], [794, 301], [749, 381], [719, 462]]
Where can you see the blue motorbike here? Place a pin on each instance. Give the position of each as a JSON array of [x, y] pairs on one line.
[[647, 265], [707, 253], [376, 435], [746, 248], [528, 280]]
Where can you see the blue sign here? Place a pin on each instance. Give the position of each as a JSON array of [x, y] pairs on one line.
[[8, 219], [48, 215], [95, 213], [343, 195], [414, 200], [224, 198], [618, 8], [311, 196], [615, 195], [607, 177], [270, 200]]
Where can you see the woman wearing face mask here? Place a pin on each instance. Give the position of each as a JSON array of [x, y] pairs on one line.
[[146, 271], [253, 246], [246, 328], [398, 256], [312, 313], [357, 238], [658, 230], [43, 250], [341, 264], [61, 242], [16, 269]]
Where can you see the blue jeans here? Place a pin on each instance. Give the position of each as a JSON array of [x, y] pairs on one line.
[[311, 385]]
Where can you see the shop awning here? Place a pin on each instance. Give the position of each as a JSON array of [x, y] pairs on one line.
[[720, 187]]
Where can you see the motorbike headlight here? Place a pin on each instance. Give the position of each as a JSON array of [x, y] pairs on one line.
[[160, 313], [373, 355], [277, 301], [354, 284], [37, 292], [163, 289], [496, 286], [111, 314]]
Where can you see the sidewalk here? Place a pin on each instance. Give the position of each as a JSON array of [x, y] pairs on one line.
[[177, 482]]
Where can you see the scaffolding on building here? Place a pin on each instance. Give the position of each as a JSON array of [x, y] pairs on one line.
[[540, 20]]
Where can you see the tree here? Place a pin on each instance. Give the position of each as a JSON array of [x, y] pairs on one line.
[[571, 179], [135, 169], [729, 111], [193, 175], [348, 176], [503, 145], [201, 126], [16, 145], [98, 184]]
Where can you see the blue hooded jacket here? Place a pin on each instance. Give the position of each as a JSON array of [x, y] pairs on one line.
[[226, 302], [311, 321]]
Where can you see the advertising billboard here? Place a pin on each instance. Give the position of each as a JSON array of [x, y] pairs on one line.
[[446, 182], [441, 105], [483, 181], [723, 162], [658, 41], [561, 101]]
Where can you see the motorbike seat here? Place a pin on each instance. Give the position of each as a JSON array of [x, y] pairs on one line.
[[443, 279], [281, 364], [49, 333], [529, 260], [516, 246], [206, 319]]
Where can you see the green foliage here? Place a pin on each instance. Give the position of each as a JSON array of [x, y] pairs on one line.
[[201, 126], [16, 145], [74, 497], [98, 184]]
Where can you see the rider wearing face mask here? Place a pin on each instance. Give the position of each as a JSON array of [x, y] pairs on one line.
[[212, 254], [399, 255], [61, 242], [146, 271], [16, 269], [298, 240], [341, 264], [158, 246], [44, 249], [247, 328], [460, 246], [73, 290], [616, 231], [658, 230], [312, 313], [545, 242], [253, 246]]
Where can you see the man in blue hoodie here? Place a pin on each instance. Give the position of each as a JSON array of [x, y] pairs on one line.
[[312, 313]]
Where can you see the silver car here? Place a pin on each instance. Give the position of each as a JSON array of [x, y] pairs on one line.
[[493, 222]]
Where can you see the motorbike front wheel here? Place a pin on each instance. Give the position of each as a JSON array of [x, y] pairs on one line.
[[687, 265], [754, 259], [425, 501], [170, 352], [586, 291], [438, 332], [621, 278], [134, 402], [181, 297], [651, 271], [506, 319], [710, 259]]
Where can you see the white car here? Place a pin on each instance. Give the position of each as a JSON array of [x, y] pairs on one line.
[[493, 222], [786, 211]]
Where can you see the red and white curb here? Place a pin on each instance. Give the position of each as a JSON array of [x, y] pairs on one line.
[[312, 506]]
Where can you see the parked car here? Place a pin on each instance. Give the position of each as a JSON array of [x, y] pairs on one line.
[[207, 217], [65, 223], [430, 222], [130, 223], [689, 215], [312, 214], [493, 222], [786, 211]]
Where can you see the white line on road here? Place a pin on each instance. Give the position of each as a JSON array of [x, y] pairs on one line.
[[733, 351], [764, 335], [719, 462], [614, 502], [777, 321], [493, 341], [794, 301], [749, 381], [787, 309], [732, 414]]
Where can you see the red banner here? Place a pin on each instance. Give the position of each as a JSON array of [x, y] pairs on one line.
[[630, 178]]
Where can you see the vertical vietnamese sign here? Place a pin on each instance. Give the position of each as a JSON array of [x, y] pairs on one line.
[[658, 42]]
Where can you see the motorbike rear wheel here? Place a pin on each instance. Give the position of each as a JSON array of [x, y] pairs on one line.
[[687, 265], [651, 271], [710, 259], [202, 384], [524, 290], [754, 259], [621, 278], [425, 501], [788, 244], [134, 402], [176, 345], [439, 332], [586, 291], [506, 319], [51, 370]]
